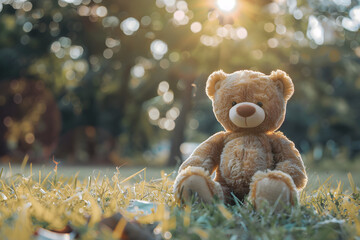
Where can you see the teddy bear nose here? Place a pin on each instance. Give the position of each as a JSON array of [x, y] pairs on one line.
[[245, 110]]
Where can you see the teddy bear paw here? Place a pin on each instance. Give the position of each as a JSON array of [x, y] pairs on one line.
[[196, 181], [274, 188], [273, 192], [196, 186]]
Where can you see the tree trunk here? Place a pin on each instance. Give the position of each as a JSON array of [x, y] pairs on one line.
[[179, 131], [123, 97]]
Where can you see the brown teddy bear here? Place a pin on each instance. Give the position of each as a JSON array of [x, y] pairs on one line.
[[250, 157]]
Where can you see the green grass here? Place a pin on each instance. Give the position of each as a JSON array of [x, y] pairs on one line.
[[316, 176], [84, 171], [30, 199], [209, 222]]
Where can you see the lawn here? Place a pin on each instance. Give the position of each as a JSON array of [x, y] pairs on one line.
[[77, 199]]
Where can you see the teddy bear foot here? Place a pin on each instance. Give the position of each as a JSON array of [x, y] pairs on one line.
[[197, 186], [274, 188], [196, 181], [272, 192]]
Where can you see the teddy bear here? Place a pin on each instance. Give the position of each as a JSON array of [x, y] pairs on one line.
[[250, 158]]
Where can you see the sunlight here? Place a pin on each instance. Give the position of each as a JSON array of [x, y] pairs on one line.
[[226, 5]]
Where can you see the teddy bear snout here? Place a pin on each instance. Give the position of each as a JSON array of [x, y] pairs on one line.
[[245, 110], [246, 115]]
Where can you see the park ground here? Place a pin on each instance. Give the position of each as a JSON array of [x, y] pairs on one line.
[[316, 176], [79, 197]]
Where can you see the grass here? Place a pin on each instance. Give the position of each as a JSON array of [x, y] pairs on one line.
[[48, 200]]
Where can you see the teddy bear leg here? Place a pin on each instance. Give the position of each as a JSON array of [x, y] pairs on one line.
[[275, 188], [195, 180]]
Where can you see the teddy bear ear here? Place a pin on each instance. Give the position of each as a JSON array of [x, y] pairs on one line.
[[283, 83], [213, 82]]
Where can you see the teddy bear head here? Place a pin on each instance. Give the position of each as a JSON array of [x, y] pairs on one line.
[[248, 101]]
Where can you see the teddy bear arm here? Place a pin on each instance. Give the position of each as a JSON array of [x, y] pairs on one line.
[[195, 173], [288, 159], [207, 154]]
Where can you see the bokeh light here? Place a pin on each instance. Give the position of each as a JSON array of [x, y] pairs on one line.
[[196, 27], [315, 30], [241, 33], [108, 53], [154, 113], [138, 71], [101, 11], [163, 87], [158, 49], [76, 52], [111, 42], [27, 27], [129, 26], [110, 21], [168, 96]]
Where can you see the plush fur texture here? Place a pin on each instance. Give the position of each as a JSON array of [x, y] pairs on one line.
[[246, 158]]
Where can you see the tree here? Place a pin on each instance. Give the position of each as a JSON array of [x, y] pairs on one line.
[[131, 75]]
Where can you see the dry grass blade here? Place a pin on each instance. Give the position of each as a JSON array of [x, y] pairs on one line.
[[54, 202]]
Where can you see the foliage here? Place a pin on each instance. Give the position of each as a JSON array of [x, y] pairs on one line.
[[53, 201], [126, 77]]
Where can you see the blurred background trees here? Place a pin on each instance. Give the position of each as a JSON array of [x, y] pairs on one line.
[[122, 82]]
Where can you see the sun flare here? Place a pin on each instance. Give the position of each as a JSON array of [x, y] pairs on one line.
[[226, 5]]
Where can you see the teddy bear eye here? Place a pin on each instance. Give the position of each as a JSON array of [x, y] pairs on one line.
[[260, 104], [233, 103]]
